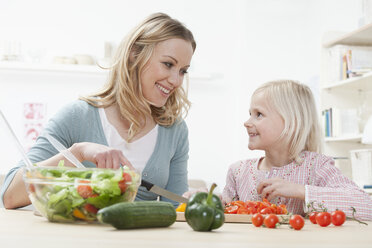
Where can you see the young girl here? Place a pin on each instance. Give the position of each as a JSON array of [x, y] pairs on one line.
[[283, 122]]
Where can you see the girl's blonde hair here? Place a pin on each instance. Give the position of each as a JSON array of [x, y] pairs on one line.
[[296, 105], [123, 86]]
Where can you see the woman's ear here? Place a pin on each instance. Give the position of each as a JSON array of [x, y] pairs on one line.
[[133, 54]]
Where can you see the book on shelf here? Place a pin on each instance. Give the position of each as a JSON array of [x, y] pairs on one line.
[[345, 62], [340, 122]]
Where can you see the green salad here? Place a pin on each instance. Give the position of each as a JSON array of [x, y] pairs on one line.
[[66, 194]]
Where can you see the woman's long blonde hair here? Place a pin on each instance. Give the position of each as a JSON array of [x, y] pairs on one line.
[[123, 87], [296, 105]]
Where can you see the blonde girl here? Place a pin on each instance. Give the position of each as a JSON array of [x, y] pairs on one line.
[[284, 124]]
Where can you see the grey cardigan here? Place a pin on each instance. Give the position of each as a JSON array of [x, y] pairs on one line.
[[80, 122]]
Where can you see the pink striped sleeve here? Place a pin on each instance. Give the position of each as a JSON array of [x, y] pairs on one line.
[[230, 192], [336, 191]]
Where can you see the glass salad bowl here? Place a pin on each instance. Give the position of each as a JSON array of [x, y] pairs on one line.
[[67, 194]]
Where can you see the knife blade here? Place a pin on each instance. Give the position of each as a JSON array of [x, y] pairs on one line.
[[65, 152], [163, 192]]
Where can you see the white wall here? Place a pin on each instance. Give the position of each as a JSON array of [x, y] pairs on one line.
[[242, 43]]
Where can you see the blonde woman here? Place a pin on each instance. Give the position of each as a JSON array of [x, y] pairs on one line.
[[283, 122], [135, 120]]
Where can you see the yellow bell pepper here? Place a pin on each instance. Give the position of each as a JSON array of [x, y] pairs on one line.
[[181, 207], [78, 214]]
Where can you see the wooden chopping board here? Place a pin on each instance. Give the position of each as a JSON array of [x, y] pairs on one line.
[[237, 218]]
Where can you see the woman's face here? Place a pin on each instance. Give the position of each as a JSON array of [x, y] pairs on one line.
[[165, 70]]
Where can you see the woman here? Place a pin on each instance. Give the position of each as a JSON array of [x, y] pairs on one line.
[[136, 119]]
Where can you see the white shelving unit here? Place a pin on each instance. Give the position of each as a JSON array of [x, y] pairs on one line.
[[351, 93], [93, 70]]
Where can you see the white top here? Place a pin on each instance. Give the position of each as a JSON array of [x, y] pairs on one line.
[[137, 152]]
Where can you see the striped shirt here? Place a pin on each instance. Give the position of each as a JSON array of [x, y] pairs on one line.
[[324, 183]]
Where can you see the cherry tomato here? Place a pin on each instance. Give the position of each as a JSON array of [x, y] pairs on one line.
[[312, 217], [297, 222], [271, 220], [257, 220], [338, 217], [323, 219]]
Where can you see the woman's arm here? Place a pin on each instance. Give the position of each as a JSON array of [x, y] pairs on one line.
[[177, 180]]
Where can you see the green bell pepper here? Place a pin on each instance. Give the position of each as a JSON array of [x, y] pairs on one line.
[[204, 211]]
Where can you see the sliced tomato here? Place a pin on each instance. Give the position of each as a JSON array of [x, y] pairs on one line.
[[125, 182], [242, 210], [127, 177], [238, 203], [266, 211], [251, 204], [85, 191], [231, 209], [251, 210], [90, 208]]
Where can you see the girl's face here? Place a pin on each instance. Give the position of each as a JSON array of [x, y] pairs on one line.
[[264, 126], [165, 70]]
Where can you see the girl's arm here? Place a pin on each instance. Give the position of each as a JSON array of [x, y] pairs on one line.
[[336, 191], [229, 193]]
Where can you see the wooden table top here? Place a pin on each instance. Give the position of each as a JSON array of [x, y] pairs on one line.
[[21, 228]]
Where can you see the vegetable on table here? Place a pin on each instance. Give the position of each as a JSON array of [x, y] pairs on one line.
[[70, 194], [297, 222], [271, 220], [141, 214], [181, 207], [252, 207], [204, 211], [257, 219], [338, 217], [323, 219]]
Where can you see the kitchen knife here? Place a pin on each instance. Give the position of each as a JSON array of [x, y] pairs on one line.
[[162, 192], [65, 152]]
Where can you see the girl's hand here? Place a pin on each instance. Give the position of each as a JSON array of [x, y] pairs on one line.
[[103, 156], [274, 187]]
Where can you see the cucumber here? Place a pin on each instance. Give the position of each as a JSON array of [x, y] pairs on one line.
[[141, 214]]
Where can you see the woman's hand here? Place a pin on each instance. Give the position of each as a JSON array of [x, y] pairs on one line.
[[103, 156], [274, 187]]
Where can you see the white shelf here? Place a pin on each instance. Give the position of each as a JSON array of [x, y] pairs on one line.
[[359, 37], [76, 68], [363, 83], [347, 138], [71, 68], [369, 191]]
